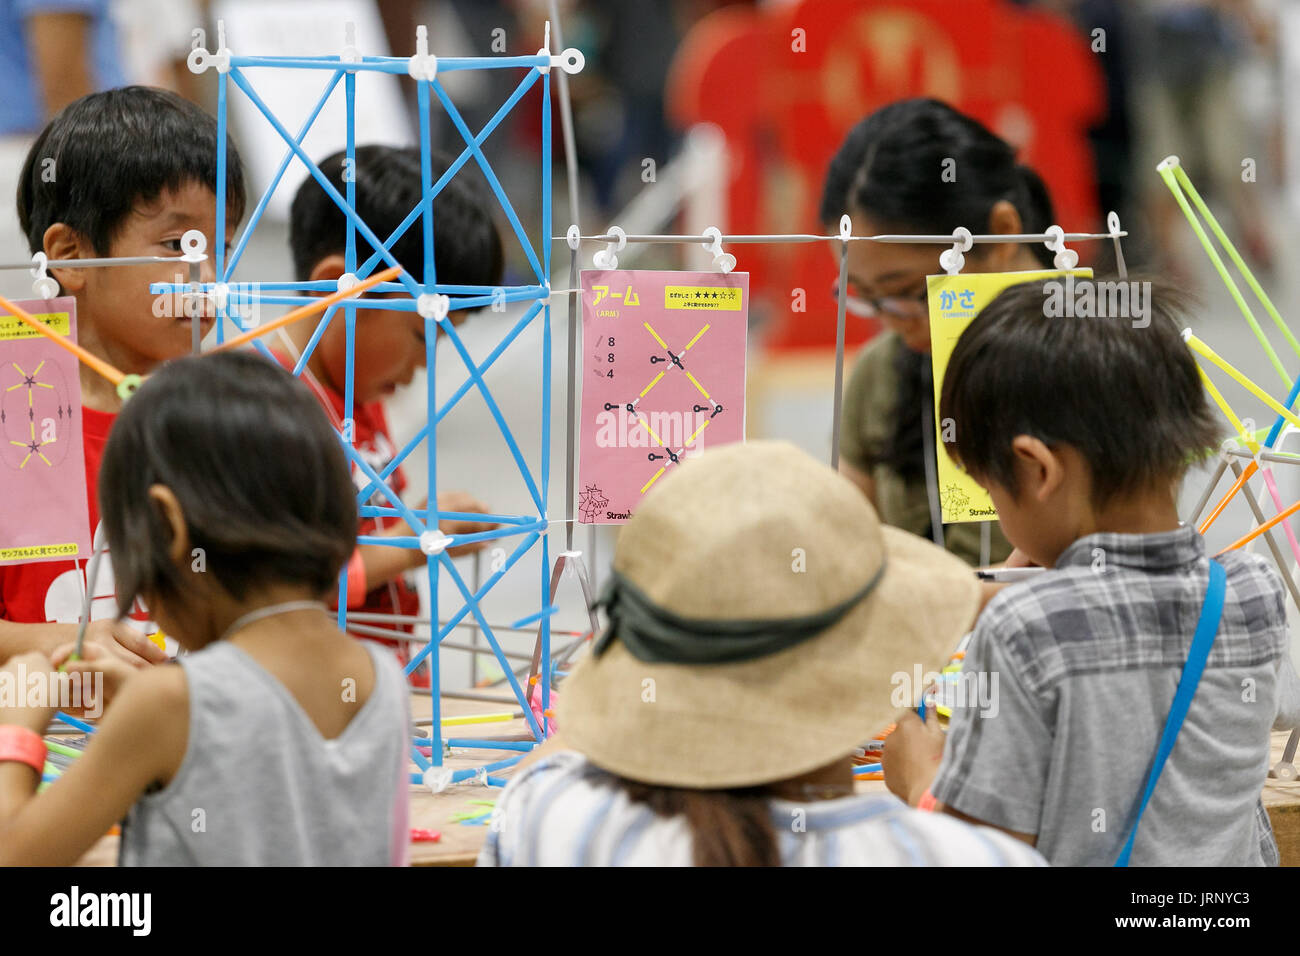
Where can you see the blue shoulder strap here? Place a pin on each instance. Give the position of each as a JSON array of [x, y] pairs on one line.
[[1206, 628]]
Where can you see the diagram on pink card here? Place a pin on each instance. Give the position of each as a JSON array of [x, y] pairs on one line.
[[663, 379]]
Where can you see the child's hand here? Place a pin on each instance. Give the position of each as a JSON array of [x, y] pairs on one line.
[[1018, 559], [461, 501], [911, 756], [128, 644], [95, 660], [17, 673]]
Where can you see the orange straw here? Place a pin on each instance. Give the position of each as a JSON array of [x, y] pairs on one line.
[[1223, 502], [311, 308], [94, 361], [1278, 519]]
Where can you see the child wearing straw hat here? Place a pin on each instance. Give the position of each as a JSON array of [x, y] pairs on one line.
[[1139, 678], [759, 618]]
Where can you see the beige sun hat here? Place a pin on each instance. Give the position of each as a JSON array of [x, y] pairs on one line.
[[758, 534]]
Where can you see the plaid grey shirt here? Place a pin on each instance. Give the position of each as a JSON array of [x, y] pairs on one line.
[[1082, 663]]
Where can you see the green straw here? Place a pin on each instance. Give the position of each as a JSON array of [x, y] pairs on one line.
[[1185, 181], [1167, 172], [61, 749]]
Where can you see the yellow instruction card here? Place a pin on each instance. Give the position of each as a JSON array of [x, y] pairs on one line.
[[954, 302]]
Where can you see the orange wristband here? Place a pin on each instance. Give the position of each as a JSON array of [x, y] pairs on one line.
[[22, 745], [927, 801]]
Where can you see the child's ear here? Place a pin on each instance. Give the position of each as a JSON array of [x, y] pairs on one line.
[[165, 501], [1004, 220], [1040, 471], [61, 241], [329, 268]]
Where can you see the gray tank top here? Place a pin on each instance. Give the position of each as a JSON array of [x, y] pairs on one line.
[[259, 786]]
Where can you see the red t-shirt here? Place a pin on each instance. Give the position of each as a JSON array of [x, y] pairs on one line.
[[44, 591]]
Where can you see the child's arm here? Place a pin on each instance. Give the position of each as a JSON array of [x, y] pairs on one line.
[[992, 767], [1288, 695], [911, 761], [125, 641], [141, 740]]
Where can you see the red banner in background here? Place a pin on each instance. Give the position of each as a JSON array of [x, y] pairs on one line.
[[786, 100]]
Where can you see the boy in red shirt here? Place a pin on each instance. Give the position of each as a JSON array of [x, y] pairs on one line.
[[389, 345], [134, 169]]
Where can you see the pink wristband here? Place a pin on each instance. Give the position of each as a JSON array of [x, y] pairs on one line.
[[927, 801], [22, 745], [357, 589]]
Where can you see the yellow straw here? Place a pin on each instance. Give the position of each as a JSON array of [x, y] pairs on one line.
[[1204, 350]]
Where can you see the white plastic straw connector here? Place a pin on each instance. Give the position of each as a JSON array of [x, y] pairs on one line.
[[350, 53], [438, 779], [44, 286], [433, 541], [952, 260], [546, 50], [432, 306], [1064, 258], [607, 258], [193, 246], [571, 61], [724, 262], [423, 65]]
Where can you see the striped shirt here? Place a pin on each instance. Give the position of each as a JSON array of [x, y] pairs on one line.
[[563, 811], [1069, 680]]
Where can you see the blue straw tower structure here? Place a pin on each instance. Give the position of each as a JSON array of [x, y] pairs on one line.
[[432, 301]]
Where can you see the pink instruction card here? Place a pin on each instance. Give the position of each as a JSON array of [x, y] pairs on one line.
[[663, 379], [45, 513]]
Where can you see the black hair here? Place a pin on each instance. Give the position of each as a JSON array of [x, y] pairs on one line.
[[467, 246], [257, 469], [1127, 398], [727, 827], [891, 167], [107, 152]]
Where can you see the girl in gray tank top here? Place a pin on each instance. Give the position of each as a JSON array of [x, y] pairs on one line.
[[276, 740]]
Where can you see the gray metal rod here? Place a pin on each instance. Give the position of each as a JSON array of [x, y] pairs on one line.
[[1209, 490], [931, 469], [1265, 456], [368, 631], [571, 174], [841, 305], [809, 237], [475, 695], [571, 403], [94, 263]]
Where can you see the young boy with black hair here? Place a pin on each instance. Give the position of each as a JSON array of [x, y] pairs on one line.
[[1081, 430], [124, 172], [389, 345]]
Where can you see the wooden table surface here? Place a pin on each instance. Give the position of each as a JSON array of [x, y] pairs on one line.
[[460, 844]]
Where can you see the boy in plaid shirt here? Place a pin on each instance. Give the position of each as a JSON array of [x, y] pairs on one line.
[[1080, 429]]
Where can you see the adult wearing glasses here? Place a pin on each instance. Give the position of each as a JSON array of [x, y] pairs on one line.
[[918, 167]]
